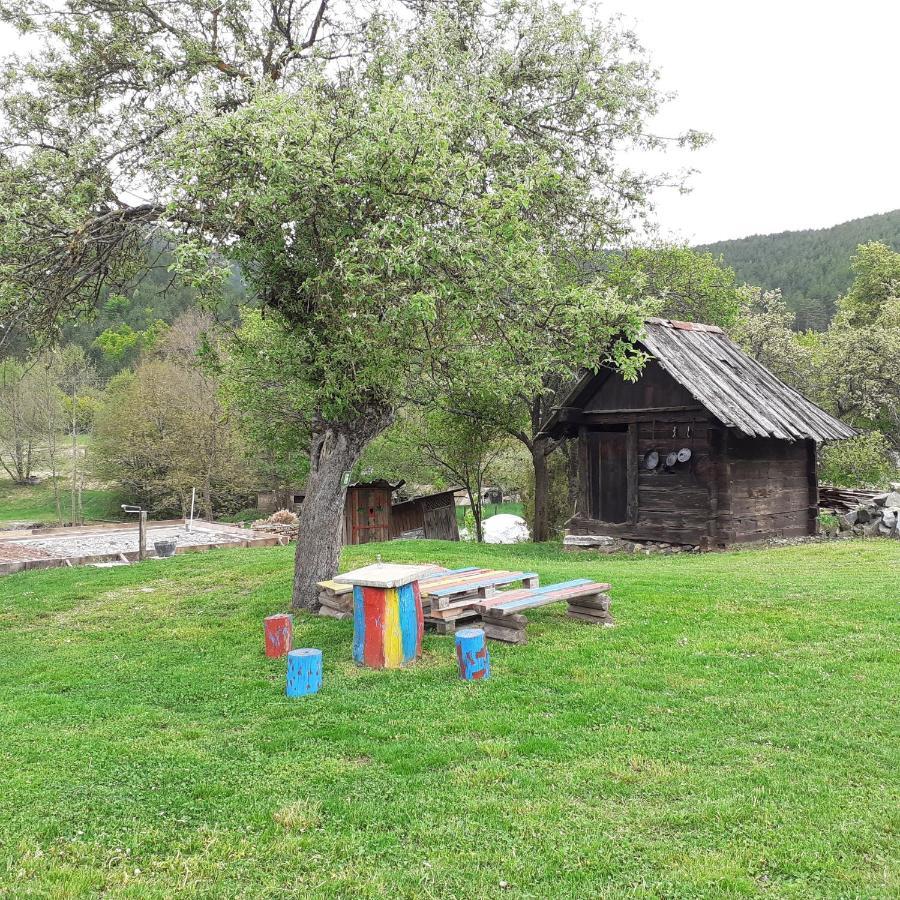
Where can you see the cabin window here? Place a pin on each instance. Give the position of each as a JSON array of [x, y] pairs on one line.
[[607, 472]]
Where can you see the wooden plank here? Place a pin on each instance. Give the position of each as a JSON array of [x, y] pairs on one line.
[[519, 593], [631, 472], [475, 584], [507, 635], [506, 621], [599, 603], [551, 594], [602, 619], [431, 585]]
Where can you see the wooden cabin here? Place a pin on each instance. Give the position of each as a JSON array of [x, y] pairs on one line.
[[706, 448]]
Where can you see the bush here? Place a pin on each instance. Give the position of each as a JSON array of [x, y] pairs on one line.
[[560, 506], [863, 461]]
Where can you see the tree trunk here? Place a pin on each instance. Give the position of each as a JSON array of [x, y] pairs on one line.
[[541, 530], [334, 452], [475, 506], [74, 458]]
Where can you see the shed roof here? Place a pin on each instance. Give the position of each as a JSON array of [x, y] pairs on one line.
[[739, 391]]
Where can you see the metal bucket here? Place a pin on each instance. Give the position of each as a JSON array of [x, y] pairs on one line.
[[164, 549]]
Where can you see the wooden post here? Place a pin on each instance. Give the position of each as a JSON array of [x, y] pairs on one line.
[[472, 654], [142, 534], [304, 672], [279, 632], [631, 470]]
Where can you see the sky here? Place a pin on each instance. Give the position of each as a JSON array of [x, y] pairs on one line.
[[801, 98]]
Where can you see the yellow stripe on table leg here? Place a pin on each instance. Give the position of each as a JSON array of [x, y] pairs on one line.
[[393, 643]]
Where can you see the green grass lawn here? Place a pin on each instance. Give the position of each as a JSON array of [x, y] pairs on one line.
[[735, 735], [492, 509], [21, 503]]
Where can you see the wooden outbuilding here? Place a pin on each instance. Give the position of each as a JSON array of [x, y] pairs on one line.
[[706, 448], [370, 514], [430, 516]]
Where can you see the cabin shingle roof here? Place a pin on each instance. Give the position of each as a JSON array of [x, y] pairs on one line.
[[739, 391]]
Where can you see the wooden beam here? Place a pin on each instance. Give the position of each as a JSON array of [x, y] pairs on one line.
[[631, 470]]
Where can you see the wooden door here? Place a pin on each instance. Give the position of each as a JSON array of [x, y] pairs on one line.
[[608, 475]]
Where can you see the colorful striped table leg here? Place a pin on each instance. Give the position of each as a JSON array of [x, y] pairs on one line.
[[472, 654], [387, 626]]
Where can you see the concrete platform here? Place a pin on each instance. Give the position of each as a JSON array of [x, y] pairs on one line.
[[47, 548]]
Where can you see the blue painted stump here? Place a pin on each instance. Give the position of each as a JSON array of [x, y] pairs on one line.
[[304, 672], [472, 654]]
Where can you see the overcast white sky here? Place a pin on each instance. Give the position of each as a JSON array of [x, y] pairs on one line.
[[802, 99]]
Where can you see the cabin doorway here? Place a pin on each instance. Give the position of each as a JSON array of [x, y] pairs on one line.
[[608, 474]]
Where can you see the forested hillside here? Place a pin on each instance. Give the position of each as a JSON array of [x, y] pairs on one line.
[[810, 267]]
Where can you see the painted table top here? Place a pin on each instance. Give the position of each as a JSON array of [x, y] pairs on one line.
[[383, 575]]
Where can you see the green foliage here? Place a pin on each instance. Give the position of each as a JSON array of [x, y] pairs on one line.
[[30, 416], [262, 383], [123, 344], [857, 356], [765, 329], [811, 268], [161, 432], [876, 282], [559, 509], [34, 504], [688, 285], [863, 461], [737, 692]]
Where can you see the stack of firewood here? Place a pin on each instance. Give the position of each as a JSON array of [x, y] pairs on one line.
[[509, 628], [594, 610], [335, 600]]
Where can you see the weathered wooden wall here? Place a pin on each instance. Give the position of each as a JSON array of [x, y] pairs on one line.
[[665, 504], [367, 514], [771, 487], [434, 516]]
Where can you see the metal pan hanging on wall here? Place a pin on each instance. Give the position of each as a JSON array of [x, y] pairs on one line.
[[671, 459], [651, 460], [684, 454]]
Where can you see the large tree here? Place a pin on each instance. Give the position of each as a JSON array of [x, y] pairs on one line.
[[404, 190]]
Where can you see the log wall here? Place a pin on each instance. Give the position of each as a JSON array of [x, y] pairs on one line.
[[773, 488]]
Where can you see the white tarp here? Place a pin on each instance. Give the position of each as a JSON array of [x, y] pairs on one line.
[[505, 529]]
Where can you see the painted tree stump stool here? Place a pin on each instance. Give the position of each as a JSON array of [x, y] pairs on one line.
[[279, 631], [304, 672], [472, 654], [387, 615]]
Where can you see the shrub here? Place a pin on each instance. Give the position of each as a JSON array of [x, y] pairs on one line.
[[863, 461]]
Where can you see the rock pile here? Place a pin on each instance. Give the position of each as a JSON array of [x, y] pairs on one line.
[[875, 517], [600, 543]]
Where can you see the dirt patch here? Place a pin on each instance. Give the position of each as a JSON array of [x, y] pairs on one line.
[[18, 553]]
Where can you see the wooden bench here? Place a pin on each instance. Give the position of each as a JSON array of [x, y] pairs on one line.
[[588, 601]]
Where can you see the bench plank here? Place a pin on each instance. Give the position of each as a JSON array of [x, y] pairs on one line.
[[553, 593], [485, 582]]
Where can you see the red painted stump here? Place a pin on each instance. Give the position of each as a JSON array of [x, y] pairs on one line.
[[279, 631]]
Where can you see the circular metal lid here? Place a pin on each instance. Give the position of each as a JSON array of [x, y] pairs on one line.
[[651, 460], [684, 454], [671, 459]]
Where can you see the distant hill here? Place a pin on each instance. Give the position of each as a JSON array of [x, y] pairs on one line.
[[812, 268]]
